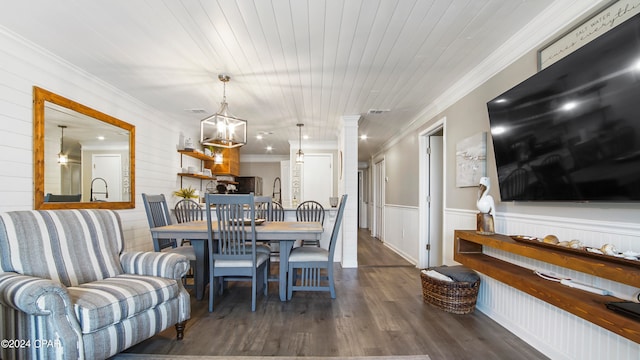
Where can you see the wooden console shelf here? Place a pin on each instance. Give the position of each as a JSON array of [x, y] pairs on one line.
[[588, 306]]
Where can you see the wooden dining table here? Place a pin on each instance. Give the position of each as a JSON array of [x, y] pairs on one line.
[[283, 232]]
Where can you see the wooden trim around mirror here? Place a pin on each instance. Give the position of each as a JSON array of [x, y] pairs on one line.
[[40, 96]]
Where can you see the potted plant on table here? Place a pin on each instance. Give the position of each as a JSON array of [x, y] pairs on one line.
[[186, 193]]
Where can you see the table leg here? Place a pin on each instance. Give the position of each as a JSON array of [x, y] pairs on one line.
[[200, 249], [285, 250]]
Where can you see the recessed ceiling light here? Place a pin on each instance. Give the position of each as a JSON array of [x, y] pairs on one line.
[[259, 137], [363, 137]]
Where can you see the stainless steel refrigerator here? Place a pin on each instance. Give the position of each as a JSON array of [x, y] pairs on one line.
[[249, 184]]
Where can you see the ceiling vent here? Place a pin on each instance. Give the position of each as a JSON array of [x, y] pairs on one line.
[[377, 111], [196, 111]]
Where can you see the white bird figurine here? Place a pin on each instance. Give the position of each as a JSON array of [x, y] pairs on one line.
[[485, 202]]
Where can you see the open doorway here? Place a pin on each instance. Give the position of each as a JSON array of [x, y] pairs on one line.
[[432, 195], [377, 230]]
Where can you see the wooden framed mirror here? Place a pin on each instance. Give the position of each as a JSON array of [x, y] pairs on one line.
[[83, 159]]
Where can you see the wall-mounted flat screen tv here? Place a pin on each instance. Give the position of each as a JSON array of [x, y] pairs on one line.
[[571, 132]]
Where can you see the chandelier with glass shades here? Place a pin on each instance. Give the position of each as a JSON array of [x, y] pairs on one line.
[[223, 129]]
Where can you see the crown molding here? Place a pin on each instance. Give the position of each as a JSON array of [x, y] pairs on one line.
[[544, 27]]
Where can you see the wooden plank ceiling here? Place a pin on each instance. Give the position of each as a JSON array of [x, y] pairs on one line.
[[289, 61]]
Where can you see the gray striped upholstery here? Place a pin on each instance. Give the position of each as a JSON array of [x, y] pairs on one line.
[[64, 276], [48, 244], [107, 302]]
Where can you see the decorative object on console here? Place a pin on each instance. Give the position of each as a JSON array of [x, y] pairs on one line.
[[486, 206], [606, 252], [223, 129]]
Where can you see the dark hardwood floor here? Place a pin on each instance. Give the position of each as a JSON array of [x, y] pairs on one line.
[[378, 311]]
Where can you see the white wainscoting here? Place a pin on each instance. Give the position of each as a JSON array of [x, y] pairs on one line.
[[555, 332], [401, 230]]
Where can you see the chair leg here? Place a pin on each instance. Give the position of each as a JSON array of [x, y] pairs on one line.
[[290, 283], [180, 329], [212, 291], [254, 291], [332, 288], [196, 275], [266, 278]]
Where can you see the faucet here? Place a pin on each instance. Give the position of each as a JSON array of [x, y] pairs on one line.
[[106, 189]]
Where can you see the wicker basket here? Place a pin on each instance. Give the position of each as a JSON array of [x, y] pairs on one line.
[[457, 297]]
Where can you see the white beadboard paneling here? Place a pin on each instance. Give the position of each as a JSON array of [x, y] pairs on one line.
[[401, 230], [25, 65], [555, 332]]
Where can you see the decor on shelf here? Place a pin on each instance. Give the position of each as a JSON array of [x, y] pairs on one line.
[[223, 129], [63, 159], [299, 154], [471, 160], [486, 206], [188, 144], [616, 12], [186, 193]]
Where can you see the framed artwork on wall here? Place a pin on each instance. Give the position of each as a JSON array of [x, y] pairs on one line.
[[471, 160]]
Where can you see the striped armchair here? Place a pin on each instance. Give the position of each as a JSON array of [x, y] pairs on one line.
[[68, 291]]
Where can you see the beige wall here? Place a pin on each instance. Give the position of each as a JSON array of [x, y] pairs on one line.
[[401, 168], [467, 117]]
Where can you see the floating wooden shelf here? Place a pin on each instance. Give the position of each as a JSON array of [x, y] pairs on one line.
[[197, 176], [200, 156], [197, 155], [588, 306]]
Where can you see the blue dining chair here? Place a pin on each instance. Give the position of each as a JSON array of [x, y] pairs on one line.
[[263, 211], [187, 210], [158, 215], [307, 264], [310, 211], [232, 250]]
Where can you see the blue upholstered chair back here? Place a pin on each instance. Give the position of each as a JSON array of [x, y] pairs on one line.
[[71, 247]]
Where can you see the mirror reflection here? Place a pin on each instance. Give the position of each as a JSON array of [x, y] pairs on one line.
[[84, 158]]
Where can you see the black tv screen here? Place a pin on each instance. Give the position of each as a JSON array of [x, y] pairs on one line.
[[571, 132]]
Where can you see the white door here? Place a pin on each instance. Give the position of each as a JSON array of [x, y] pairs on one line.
[[106, 177], [378, 200], [435, 200], [362, 204], [317, 178]]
